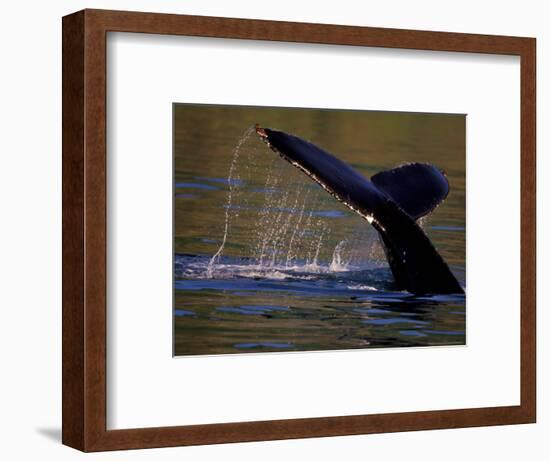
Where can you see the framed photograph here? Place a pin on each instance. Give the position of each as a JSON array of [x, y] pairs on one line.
[[279, 230]]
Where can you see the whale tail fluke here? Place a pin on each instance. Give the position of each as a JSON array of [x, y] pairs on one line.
[[391, 201], [417, 188]]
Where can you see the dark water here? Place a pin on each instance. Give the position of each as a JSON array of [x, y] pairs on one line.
[[265, 260]]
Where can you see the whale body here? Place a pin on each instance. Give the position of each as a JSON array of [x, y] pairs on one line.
[[392, 201]]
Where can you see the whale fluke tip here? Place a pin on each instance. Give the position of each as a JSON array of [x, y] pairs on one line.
[[260, 131]]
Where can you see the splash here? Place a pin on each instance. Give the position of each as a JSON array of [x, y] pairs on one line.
[[337, 264], [232, 184], [290, 256], [276, 223]]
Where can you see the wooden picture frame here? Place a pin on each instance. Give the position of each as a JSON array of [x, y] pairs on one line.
[[85, 245]]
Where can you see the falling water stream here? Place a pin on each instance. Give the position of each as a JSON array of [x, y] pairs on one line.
[[291, 230], [228, 207]]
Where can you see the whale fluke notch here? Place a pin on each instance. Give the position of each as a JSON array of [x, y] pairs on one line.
[[415, 263]]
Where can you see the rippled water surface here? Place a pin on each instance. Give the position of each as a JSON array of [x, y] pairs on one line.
[[265, 260]]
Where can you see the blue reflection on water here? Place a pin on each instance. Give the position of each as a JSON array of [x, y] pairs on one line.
[[192, 185], [416, 333], [252, 310], [244, 306], [234, 181]]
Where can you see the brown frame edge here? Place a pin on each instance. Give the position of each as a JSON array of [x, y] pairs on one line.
[[84, 230]]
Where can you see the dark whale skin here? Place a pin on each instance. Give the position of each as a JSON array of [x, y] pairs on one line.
[[416, 265]]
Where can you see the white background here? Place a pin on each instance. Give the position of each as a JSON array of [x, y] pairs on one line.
[[146, 387], [30, 184]]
